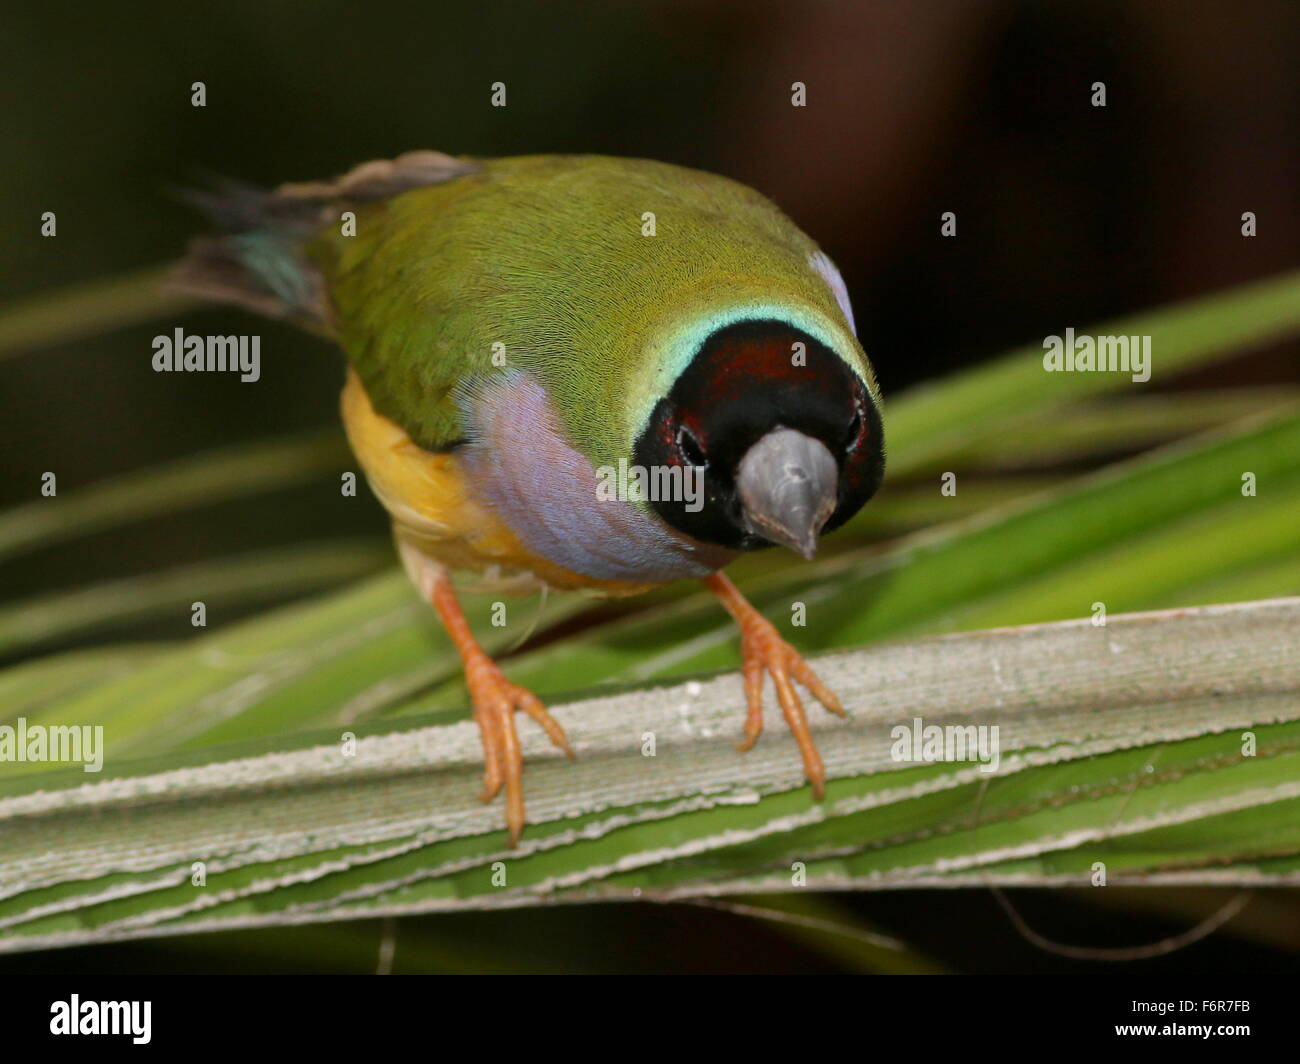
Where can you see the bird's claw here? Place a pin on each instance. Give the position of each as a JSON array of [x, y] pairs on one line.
[[495, 700], [765, 651]]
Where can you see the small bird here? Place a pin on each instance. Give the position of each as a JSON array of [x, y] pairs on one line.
[[523, 332]]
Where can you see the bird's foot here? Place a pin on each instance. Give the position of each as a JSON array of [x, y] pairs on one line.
[[764, 651], [495, 700]]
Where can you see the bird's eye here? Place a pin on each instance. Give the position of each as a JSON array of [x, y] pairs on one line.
[[855, 426], [690, 448]]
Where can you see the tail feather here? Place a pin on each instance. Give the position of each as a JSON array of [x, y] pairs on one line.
[[258, 262]]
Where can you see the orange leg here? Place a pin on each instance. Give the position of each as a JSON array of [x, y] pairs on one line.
[[495, 700], [764, 650]]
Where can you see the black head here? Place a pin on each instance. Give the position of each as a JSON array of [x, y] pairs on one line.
[[747, 382]]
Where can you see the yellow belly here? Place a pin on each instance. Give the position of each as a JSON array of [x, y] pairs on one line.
[[433, 509]]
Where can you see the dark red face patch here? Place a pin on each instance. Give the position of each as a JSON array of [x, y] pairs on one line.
[[746, 380]]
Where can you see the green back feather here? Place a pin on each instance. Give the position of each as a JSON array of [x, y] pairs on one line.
[[546, 255]]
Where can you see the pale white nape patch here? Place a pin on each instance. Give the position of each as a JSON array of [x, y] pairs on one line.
[[821, 262]]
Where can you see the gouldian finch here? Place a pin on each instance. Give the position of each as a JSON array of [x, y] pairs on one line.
[[519, 330]]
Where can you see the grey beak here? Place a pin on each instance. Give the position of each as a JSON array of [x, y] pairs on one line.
[[788, 484]]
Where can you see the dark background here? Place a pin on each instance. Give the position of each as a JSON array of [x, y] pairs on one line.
[[1067, 214]]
